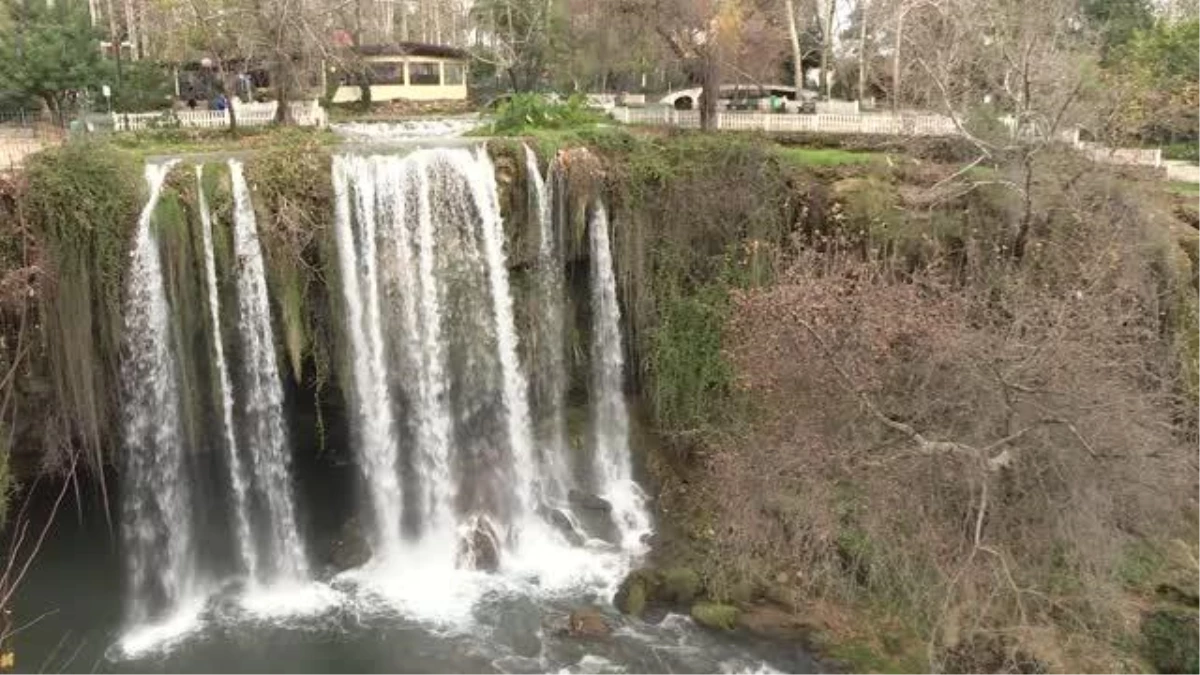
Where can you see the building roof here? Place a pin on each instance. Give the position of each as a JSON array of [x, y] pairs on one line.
[[413, 49]]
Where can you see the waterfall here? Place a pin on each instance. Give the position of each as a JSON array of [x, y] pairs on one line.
[[156, 511], [406, 254], [481, 176], [246, 546], [266, 436], [370, 396], [551, 378], [424, 282], [610, 418]]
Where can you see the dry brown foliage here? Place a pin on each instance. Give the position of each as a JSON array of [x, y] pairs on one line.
[[973, 456]]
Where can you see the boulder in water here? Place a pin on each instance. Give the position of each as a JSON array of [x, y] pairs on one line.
[[351, 548], [563, 523], [478, 545], [635, 591], [715, 615], [589, 501], [587, 622]]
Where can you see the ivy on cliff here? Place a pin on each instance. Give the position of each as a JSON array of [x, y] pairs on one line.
[[81, 201], [293, 193]]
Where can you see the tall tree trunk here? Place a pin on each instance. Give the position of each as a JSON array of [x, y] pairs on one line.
[[387, 20], [862, 51], [404, 21], [827, 49], [229, 84], [437, 24], [797, 55], [114, 36], [131, 29], [896, 61], [711, 91]]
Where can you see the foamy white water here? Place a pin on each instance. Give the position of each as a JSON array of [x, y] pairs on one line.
[[156, 523], [551, 375], [481, 176], [267, 438], [415, 128], [610, 418], [245, 544], [370, 398]]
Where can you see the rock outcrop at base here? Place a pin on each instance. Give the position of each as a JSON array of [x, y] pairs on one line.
[[478, 545]]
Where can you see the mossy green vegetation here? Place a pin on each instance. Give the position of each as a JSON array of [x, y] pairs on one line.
[[292, 190], [81, 201], [807, 157], [180, 141], [1170, 640], [715, 615], [527, 111]]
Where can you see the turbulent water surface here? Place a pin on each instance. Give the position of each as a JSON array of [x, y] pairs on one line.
[[436, 527]]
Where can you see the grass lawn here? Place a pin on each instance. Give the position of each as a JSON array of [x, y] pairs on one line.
[[185, 141], [827, 156], [1184, 188]]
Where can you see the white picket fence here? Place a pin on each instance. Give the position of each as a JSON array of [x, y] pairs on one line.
[[304, 113], [1134, 156], [871, 123], [894, 125]]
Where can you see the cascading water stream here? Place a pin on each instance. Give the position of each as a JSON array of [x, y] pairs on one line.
[[156, 514], [551, 375], [481, 177], [353, 178], [246, 546], [407, 267], [266, 436], [610, 418]]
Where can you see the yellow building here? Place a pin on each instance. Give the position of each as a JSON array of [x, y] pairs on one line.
[[407, 71]]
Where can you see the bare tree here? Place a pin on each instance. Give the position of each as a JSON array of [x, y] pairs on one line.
[[797, 53], [827, 10]]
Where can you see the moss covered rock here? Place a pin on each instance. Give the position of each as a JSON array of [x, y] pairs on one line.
[[634, 591], [1170, 638], [680, 585], [715, 615]]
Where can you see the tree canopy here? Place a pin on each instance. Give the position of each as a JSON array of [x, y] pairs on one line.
[[51, 51]]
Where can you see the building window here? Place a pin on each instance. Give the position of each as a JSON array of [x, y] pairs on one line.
[[387, 73], [423, 73], [453, 74]]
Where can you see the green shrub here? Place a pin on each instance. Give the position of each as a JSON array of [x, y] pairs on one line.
[[1187, 152], [1170, 640], [525, 112], [82, 202]]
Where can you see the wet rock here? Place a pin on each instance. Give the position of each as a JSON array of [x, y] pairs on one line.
[[773, 622], [587, 622], [679, 585], [521, 628], [351, 548], [478, 545], [634, 592], [715, 615], [588, 501], [563, 523]]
